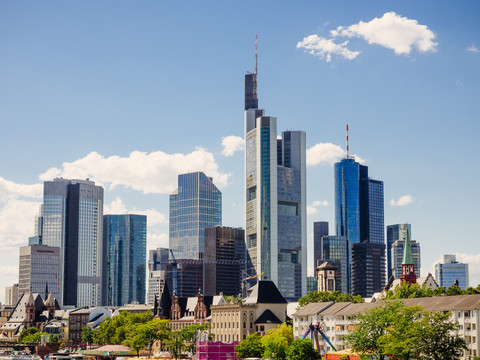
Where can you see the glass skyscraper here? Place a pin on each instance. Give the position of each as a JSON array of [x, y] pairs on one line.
[[450, 270], [72, 221], [194, 206], [359, 216], [275, 230], [394, 233], [335, 250], [125, 238], [397, 257], [320, 229]]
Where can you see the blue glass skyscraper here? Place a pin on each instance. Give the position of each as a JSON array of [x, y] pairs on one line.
[[125, 238], [72, 220], [194, 206]]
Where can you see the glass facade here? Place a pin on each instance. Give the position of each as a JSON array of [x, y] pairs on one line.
[[397, 257], [394, 233], [320, 229], [125, 238], [335, 250], [194, 206], [449, 271], [72, 220]]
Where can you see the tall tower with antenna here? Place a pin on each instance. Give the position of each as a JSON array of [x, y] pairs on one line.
[[251, 97]]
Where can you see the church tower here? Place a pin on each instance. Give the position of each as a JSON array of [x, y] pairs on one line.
[[408, 267]]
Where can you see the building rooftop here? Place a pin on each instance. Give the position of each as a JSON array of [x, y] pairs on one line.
[[265, 292]]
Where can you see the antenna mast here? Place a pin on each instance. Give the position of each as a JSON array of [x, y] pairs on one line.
[[347, 143], [256, 68]]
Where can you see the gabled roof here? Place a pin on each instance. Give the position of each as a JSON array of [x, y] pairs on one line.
[[313, 308], [265, 292], [327, 266], [268, 317]]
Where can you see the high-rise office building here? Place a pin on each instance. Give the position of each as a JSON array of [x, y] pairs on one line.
[[194, 206], [359, 216], [320, 229], [72, 221], [225, 260], [125, 238], [40, 269], [335, 250], [11, 295], [396, 232], [157, 262], [449, 271], [397, 257], [275, 231]]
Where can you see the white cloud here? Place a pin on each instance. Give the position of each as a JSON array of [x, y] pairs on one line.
[[320, 203], [327, 154], [325, 48], [402, 201], [232, 144], [10, 190], [17, 223], [157, 240], [473, 49], [311, 210], [154, 217], [393, 32], [154, 172]]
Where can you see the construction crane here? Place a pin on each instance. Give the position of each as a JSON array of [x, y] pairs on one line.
[[314, 330], [174, 264], [244, 281]]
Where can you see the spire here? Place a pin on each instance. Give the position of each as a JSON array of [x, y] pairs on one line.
[[407, 251], [251, 98], [46, 290]]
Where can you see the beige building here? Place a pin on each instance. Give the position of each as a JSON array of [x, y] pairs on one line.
[[11, 295], [264, 309]]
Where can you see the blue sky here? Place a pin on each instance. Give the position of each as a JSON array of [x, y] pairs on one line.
[[130, 94]]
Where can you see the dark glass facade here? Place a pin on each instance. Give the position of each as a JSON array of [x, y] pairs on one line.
[[189, 277], [335, 250], [320, 229], [194, 206], [368, 268], [125, 237], [225, 260]]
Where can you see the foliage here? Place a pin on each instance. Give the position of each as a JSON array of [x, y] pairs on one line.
[[231, 299], [250, 347], [434, 338], [302, 350], [115, 330], [145, 334], [54, 339], [277, 341], [372, 324], [407, 291], [190, 333], [87, 335], [27, 332], [335, 296], [175, 343]]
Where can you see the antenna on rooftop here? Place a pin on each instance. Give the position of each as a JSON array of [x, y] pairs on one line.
[[347, 143], [256, 69]]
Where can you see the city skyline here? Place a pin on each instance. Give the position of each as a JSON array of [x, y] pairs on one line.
[[124, 95]]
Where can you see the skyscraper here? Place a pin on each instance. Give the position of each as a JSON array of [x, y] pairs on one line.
[[194, 206], [397, 257], [275, 198], [125, 238], [450, 270], [394, 233], [72, 221], [320, 229], [359, 216], [335, 250], [157, 262]]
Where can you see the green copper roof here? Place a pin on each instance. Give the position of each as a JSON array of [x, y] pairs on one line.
[[407, 251]]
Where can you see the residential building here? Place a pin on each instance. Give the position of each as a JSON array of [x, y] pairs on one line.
[[225, 260], [396, 232], [265, 308], [11, 294], [359, 216], [397, 249], [320, 229], [275, 173], [158, 259], [450, 271], [336, 250], [125, 239], [72, 221], [40, 270], [339, 318]]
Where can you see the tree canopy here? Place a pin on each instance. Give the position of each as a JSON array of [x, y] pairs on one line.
[[250, 347], [302, 350], [335, 296], [277, 341]]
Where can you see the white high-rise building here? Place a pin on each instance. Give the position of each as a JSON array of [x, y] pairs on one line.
[[275, 232]]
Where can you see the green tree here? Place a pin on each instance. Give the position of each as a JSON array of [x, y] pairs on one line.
[[455, 290], [371, 325], [277, 341], [302, 350], [88, 335], [400, 339], [175, 343], [190, 335], [434, 337], [115, 330], [335, 296], [27, 332], [54, 339], [250, 347]]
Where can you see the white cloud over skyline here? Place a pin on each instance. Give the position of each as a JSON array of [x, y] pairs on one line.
[[391, 31], [11, 190], [402, 201], [327, 154], [150, 173], [473, 48], [232, 144]]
